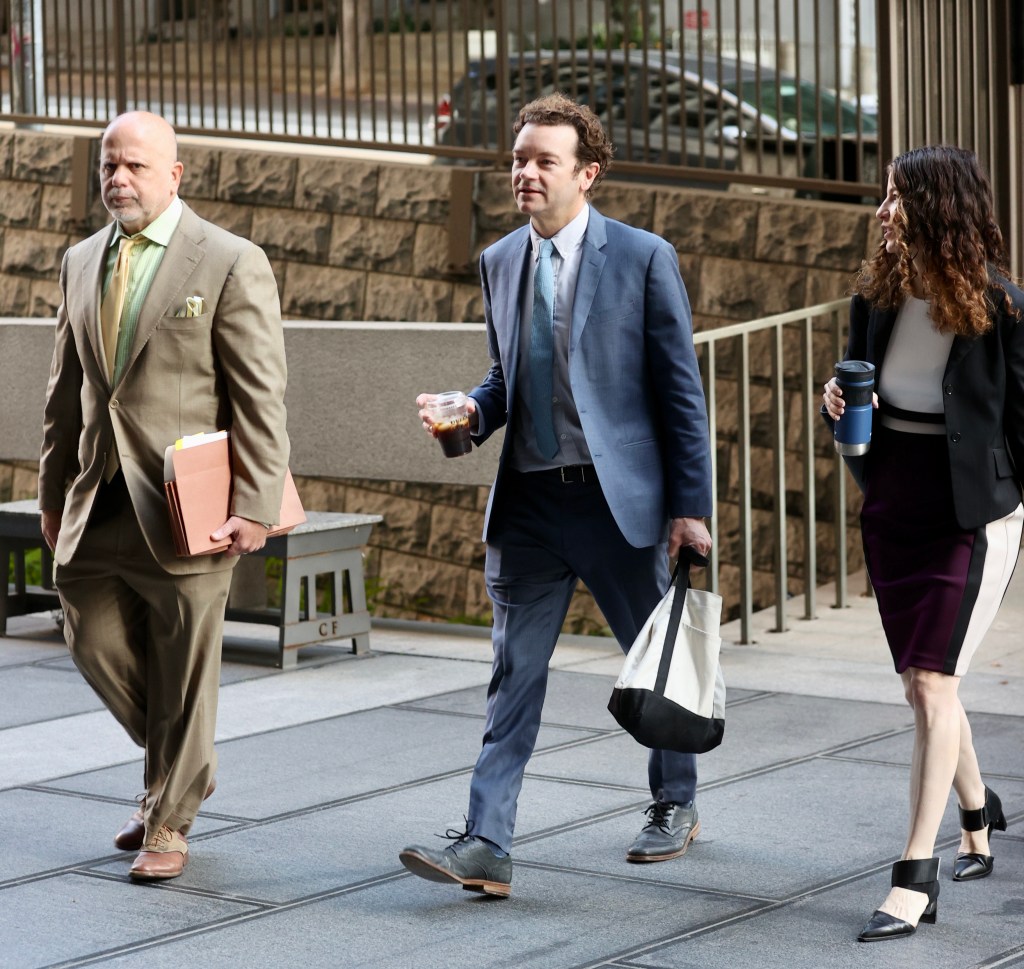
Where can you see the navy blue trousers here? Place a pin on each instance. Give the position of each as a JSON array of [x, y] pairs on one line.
[[544, 537]]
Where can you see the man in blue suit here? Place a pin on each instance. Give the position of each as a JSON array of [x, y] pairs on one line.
[[605, 466]]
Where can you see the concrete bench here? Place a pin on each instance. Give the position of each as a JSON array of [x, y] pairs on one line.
[[326, 545], [20, 532]]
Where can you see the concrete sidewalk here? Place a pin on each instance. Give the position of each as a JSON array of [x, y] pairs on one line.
[[327, 772]]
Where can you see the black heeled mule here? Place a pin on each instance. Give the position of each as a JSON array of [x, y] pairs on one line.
[[917, 875], [970, 864]]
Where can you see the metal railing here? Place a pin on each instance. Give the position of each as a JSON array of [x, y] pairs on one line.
[[719, 91], [762, 382], [815, 336]]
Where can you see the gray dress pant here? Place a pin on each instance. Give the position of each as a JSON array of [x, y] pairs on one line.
[[545, 536]]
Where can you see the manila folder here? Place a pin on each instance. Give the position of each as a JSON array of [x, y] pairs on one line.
[[199, 497]]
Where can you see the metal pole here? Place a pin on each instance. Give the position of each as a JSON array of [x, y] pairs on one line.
[[27, 57], [711, 396], [810, 409], [891, 137], [840, 492], [779, 510], [503, 123], [120, 71], [1003, 167], [746, 561]]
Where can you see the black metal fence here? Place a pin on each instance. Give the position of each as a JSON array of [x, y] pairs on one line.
[[762, 92], [954, 74]]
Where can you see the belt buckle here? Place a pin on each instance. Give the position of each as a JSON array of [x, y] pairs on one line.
[[576, 473]]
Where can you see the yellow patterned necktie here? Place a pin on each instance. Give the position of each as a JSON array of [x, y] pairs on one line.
[[110, 320], [113, 303]]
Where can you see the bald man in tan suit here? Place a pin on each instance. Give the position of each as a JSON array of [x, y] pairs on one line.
[[139, 362]]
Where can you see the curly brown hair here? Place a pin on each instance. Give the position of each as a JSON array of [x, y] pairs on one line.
[[944, 214], [558, 109]]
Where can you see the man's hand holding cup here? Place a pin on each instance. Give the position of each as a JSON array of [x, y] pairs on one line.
[[449, 417]]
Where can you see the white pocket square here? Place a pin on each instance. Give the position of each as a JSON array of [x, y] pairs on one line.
[[194, 306]]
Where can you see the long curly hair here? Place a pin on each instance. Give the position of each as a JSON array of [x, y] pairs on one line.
[[944, 215]]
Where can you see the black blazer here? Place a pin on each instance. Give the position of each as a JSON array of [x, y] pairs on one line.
[[983, 400]]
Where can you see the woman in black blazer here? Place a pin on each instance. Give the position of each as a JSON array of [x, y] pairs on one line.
[[936, 314]]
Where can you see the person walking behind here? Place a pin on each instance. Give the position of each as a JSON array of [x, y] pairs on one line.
[[605, 468], [168, 326], [937, 315]]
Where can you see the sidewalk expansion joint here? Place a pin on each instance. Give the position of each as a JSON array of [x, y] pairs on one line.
[[763, 901], [1004, 960], [266, 909]]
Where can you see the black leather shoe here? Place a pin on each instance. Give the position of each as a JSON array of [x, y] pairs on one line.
[[971, 864], [917, 875], [669, 830], [467, 861]]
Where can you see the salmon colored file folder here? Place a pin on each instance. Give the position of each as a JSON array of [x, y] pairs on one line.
[[197, 479]]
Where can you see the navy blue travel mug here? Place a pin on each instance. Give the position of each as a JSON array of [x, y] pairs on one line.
[[856, 379]]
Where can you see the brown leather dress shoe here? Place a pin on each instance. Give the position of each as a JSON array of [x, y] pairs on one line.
[[131, 836], [163, 856]]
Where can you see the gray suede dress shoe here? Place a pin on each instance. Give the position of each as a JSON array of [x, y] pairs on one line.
[[468, 862], [669, 830]]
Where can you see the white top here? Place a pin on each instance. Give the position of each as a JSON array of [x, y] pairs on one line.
[[915, 362]]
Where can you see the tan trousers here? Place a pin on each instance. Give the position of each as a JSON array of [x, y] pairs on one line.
[[149, 644]]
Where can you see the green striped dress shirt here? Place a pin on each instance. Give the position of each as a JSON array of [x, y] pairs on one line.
[[144, 261]]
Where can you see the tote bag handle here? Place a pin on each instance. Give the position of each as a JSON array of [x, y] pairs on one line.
[[681, 581]]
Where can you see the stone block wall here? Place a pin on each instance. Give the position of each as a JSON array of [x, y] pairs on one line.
[[351, 239], [18, 480], [426, 558], [355, 239]]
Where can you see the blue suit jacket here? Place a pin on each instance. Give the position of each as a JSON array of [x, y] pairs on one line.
[[632, 368]]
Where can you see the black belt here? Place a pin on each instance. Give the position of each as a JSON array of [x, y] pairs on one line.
[[916, 416], [569, 473]]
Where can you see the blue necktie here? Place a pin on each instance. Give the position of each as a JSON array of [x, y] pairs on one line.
[[541, 357]]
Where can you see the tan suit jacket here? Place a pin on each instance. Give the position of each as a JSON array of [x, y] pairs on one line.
[[224, 369]]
